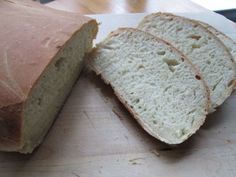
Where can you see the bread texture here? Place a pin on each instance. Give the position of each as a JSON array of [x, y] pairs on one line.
[[155, 82], [41, 55], [202, 47], [227, 41]]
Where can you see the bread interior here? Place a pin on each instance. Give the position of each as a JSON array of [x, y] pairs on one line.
[[51, 90]]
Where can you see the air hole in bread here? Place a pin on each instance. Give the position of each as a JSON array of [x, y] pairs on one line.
[[171, 62], [59, 62], [195, 46], [137, 100], [161, 53], [208, 62], [198, 77], [191, 112], [196, 37], [212, 55], [231, 83], [179, 29], [167, 88], [39, 101], [154, 122], [140, 66], [181, 132]]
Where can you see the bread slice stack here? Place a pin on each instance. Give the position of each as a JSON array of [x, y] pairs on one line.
[[158, 84], [169, 73], [202, 47]]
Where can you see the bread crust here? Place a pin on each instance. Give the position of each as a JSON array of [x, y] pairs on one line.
[[31, 37]]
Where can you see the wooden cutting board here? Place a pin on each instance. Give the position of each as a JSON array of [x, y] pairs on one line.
[[94, 135]]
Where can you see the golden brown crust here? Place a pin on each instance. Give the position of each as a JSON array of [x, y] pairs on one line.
[[31, 36]]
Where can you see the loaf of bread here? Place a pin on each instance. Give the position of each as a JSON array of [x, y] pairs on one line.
[[202, 47], [156, 83], [41, 55]]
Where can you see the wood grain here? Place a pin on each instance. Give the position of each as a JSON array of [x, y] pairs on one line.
[[123, 6]]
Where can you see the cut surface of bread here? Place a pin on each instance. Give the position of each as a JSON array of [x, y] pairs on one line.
[[41, 54], [204, 50], [155, 82], [53, 87], [227, 41]]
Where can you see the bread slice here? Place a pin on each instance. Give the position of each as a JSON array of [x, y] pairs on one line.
[[155, 82], [227, 41], [41, 55], [204, 50]]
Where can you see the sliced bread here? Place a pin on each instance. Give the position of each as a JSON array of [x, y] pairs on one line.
[[202, 47], [155, 82]]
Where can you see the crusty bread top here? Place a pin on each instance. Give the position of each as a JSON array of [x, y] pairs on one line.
[[30, 37]]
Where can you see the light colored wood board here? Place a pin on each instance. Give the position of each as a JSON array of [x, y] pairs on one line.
[[94, 136]]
